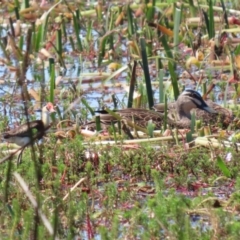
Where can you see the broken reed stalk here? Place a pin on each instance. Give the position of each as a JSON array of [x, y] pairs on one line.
[[34, 203]]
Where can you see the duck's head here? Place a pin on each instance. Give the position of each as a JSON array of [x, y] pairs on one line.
[[190, 99]]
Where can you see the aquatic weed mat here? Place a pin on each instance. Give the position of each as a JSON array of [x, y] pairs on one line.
[[121, 192]]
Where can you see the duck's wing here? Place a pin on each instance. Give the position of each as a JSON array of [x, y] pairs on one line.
[[26, 129], [138, 116], [141, 117]]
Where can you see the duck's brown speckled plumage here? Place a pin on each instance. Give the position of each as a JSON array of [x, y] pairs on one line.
[[186, 102], [138, 116]]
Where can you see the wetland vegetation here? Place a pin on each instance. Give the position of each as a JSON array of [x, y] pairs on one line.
[[119, 183]]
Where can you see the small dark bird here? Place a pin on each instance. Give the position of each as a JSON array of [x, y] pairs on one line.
[[26, 132]]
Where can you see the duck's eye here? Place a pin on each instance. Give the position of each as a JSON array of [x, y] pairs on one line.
[[196, 95]]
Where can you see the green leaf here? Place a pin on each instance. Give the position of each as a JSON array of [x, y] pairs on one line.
[[222, 166], [85, 103], [150, 128], [193, 122], [237, 50], [146, 72]]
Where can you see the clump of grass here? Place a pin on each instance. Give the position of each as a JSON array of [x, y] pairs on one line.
[[126, 180]]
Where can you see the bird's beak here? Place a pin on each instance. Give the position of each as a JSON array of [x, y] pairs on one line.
[[209, 109]]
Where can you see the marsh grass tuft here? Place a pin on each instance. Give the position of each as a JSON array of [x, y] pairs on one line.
[[114, 183]]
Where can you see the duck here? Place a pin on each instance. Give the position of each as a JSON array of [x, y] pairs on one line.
[[187, 100], [223, 115], [25, 133]]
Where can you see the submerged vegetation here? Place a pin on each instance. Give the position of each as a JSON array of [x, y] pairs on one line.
[[119, 183]]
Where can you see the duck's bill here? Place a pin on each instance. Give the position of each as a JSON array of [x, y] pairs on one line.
[[209, 109]]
